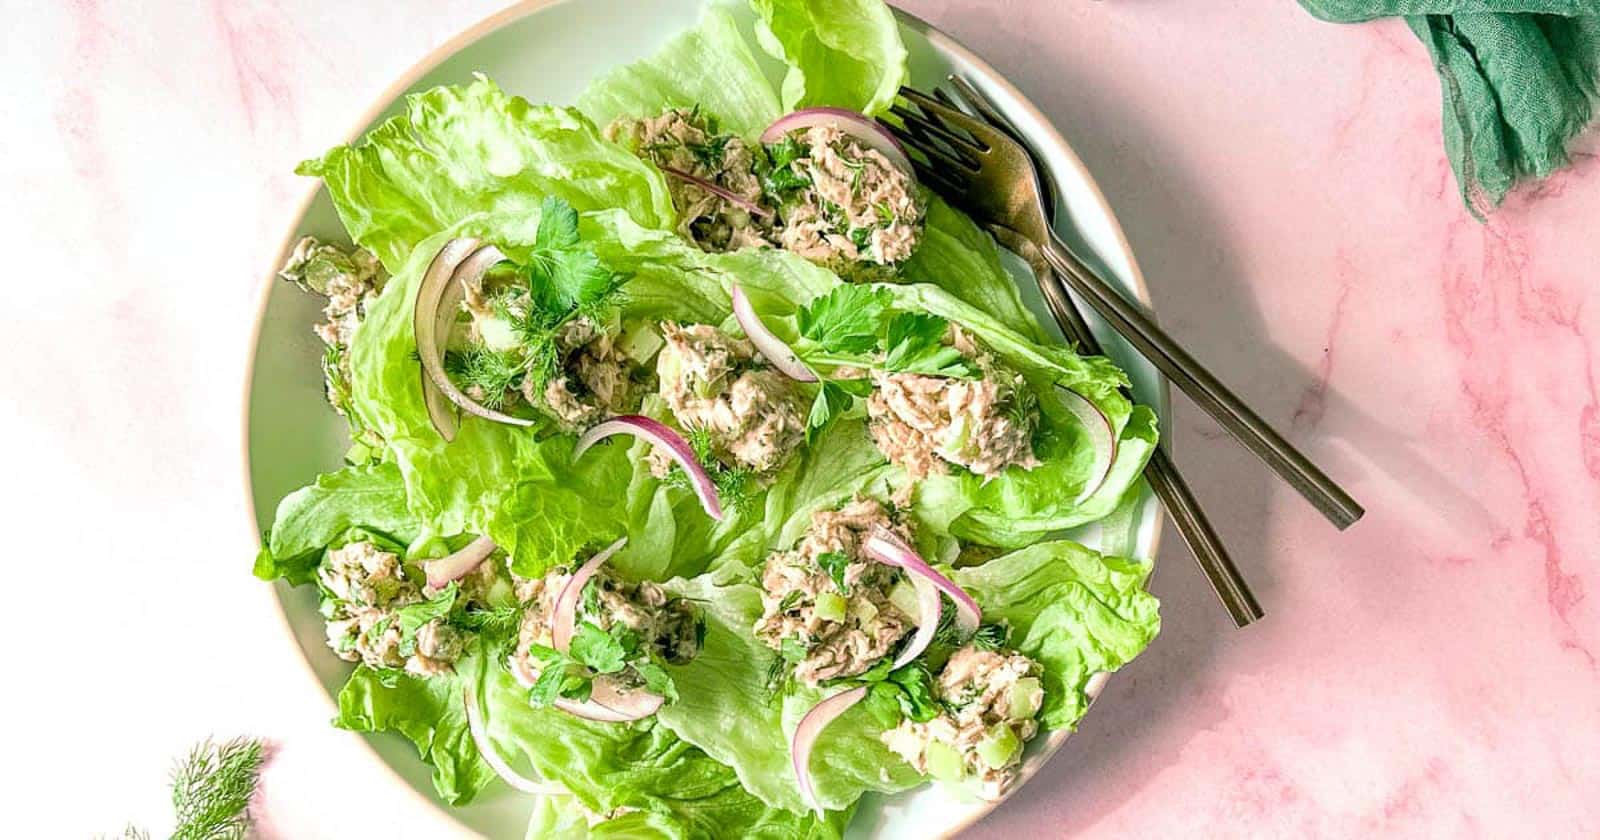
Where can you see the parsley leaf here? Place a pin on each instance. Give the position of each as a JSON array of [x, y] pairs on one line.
[[835, 563], [831, 399], [657, 680], [598, 650], [556, 681], [914, 342], [558, 225], [846, 319]]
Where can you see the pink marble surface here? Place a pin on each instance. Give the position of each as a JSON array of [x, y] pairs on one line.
[[1431, 672]]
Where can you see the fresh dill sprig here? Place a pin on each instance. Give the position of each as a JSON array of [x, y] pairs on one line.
[[736, 486], [491, 372], [212, 786]]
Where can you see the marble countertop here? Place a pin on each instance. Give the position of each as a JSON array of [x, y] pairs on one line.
[[1431, 672]]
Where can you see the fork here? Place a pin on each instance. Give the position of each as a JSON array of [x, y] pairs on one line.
[[1165, 480], [981, 169]]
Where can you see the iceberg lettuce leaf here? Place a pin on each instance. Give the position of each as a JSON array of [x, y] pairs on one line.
[[841, 53]]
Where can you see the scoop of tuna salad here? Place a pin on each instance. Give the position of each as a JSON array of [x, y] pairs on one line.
[[986, 424], [579, 372], [990, 700], [366, 598], [827, 608], [685, 142], [623, 630], [842, 205], [715, 384], [350, 279]]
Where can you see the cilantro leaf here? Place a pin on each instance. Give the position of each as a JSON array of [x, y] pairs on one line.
[[597, 649], [846, 319], [557, 681], [883, 703], [835, 564], [916, 692]]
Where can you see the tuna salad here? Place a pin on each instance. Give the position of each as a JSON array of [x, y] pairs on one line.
[[380, 617], [990, 700], [575, 373], [684, 142], [350, 279], [842, 205], [924, 423], [827, 608], [717, 386], [623, 631]]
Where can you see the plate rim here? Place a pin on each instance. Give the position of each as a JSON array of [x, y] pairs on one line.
[[493, 23]]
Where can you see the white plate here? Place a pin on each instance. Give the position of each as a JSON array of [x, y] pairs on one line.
[[547, 52]]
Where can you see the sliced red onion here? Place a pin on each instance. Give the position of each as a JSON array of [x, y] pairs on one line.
[[498, 764], [719, 191], [886, 547], [1101, 436], [767, 344], [671, 442], [929, 607], [861, 127], [805, 737], [440, 413], [451, 270], [563, 619], [606, 703], [459, 564]]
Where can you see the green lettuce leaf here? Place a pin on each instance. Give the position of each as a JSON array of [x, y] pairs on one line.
[[465, 150], [1073, 610], [710, 66], [641, 765], [311, 518], [841, 53], [428, 712]]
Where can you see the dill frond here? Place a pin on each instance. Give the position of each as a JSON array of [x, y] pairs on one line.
[[211, 789]]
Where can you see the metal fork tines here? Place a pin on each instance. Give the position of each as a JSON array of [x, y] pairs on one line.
[[982, 170]]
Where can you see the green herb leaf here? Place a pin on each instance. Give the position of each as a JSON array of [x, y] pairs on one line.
[[832, 400], [493, 372], [883, 703], [792, 649], [558, 225], [835, 564], [916, 692], [413, 616], [846, 319], [914, 344], [598, 650], [657, 680], [211, 789]]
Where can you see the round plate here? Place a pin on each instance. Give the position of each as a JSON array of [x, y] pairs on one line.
[[547, 51]]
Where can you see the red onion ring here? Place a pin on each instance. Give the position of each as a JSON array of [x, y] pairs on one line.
[[860, 127], [720, 192], [805, 737], [671, 442], [767, 344], [492, 757], [429, 322], [1101, 435], [424, 311], [886, 547], [929, 606], [458, 564], [563, 618], [439, 412]]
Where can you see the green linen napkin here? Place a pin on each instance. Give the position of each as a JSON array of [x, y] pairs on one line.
[[1519, 79]]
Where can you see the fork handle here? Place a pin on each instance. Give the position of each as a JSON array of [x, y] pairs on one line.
[[1160, 472], [1210, 394], [1201, 538]]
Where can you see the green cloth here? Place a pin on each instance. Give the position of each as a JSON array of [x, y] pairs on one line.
[[1519, 80]]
